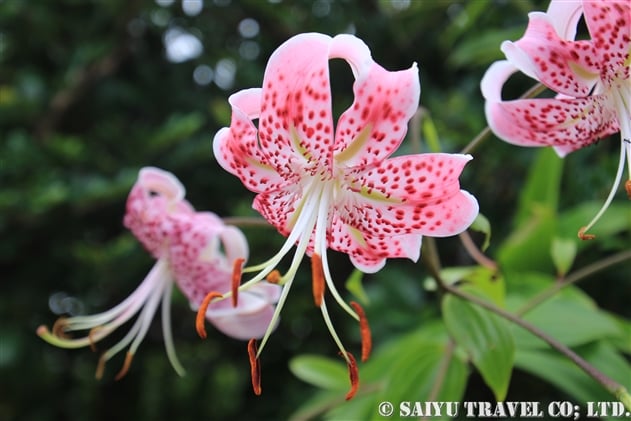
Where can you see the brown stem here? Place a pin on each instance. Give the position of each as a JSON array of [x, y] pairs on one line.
[[572, 279], [442, 371], [475, 253], [613, 387], [609, 384]]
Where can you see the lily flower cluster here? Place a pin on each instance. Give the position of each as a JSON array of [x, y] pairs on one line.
[[336, 187], [592, 79], [195, 251]]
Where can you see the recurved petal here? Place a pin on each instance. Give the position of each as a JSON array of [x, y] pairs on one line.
[[252, 315], [564, 16], [417, 194], [296, 124], [237, 149], [376, 123], [608, 23], [567, 124], [155, 196], [369, 253], [568, 67], [278, 206], [196, 257]]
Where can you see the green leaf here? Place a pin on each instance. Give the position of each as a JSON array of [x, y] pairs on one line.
[[570, 316], [430, 134], [536, 219], [485, 337], [483, 280], [542, 185], [482, 224], [319, 371], [563, 252], [355, 286], [559, 371], [528, 247]]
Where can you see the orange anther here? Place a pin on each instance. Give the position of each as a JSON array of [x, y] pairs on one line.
[[255, 366], [364, 330], [317, 278], [91, 337], [627, 187], [201, 313], [126, 366], [59, 328], [353, 373], [100, 368], [583, 236], [237, 269], [274, 277]]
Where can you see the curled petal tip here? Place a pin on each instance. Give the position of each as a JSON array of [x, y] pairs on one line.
[[201, 313]]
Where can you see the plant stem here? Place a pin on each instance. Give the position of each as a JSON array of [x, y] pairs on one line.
[[572, 279], [613, 387], [442, 371], [432, 259], [474, 251]]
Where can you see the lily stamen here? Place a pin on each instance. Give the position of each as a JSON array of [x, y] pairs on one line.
[[255, 366], [200, 320], [236, 280], [364, 330], [317, 276], [126, 365], [353, 374]]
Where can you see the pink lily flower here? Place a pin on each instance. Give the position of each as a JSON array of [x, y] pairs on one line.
[[592, 79], [324, 186], [187, 246]]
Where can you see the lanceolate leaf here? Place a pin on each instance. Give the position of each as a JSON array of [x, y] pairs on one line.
[[486, 339]]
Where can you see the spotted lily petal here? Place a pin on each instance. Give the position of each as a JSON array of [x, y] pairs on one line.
[[329, 190], [592, 79], [195, 251]]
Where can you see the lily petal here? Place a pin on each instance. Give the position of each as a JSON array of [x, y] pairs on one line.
[[376, 123], [414, 194], [608, 24], [252, 316], [564, 16], [296, 124], [369, 253], [236, 148], [570, 68], [568, 124]]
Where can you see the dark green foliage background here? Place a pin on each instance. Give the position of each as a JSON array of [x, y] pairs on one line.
[[87, 97]]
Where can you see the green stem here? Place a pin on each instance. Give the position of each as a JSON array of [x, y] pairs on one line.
[[572, 279], [613, 387]]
